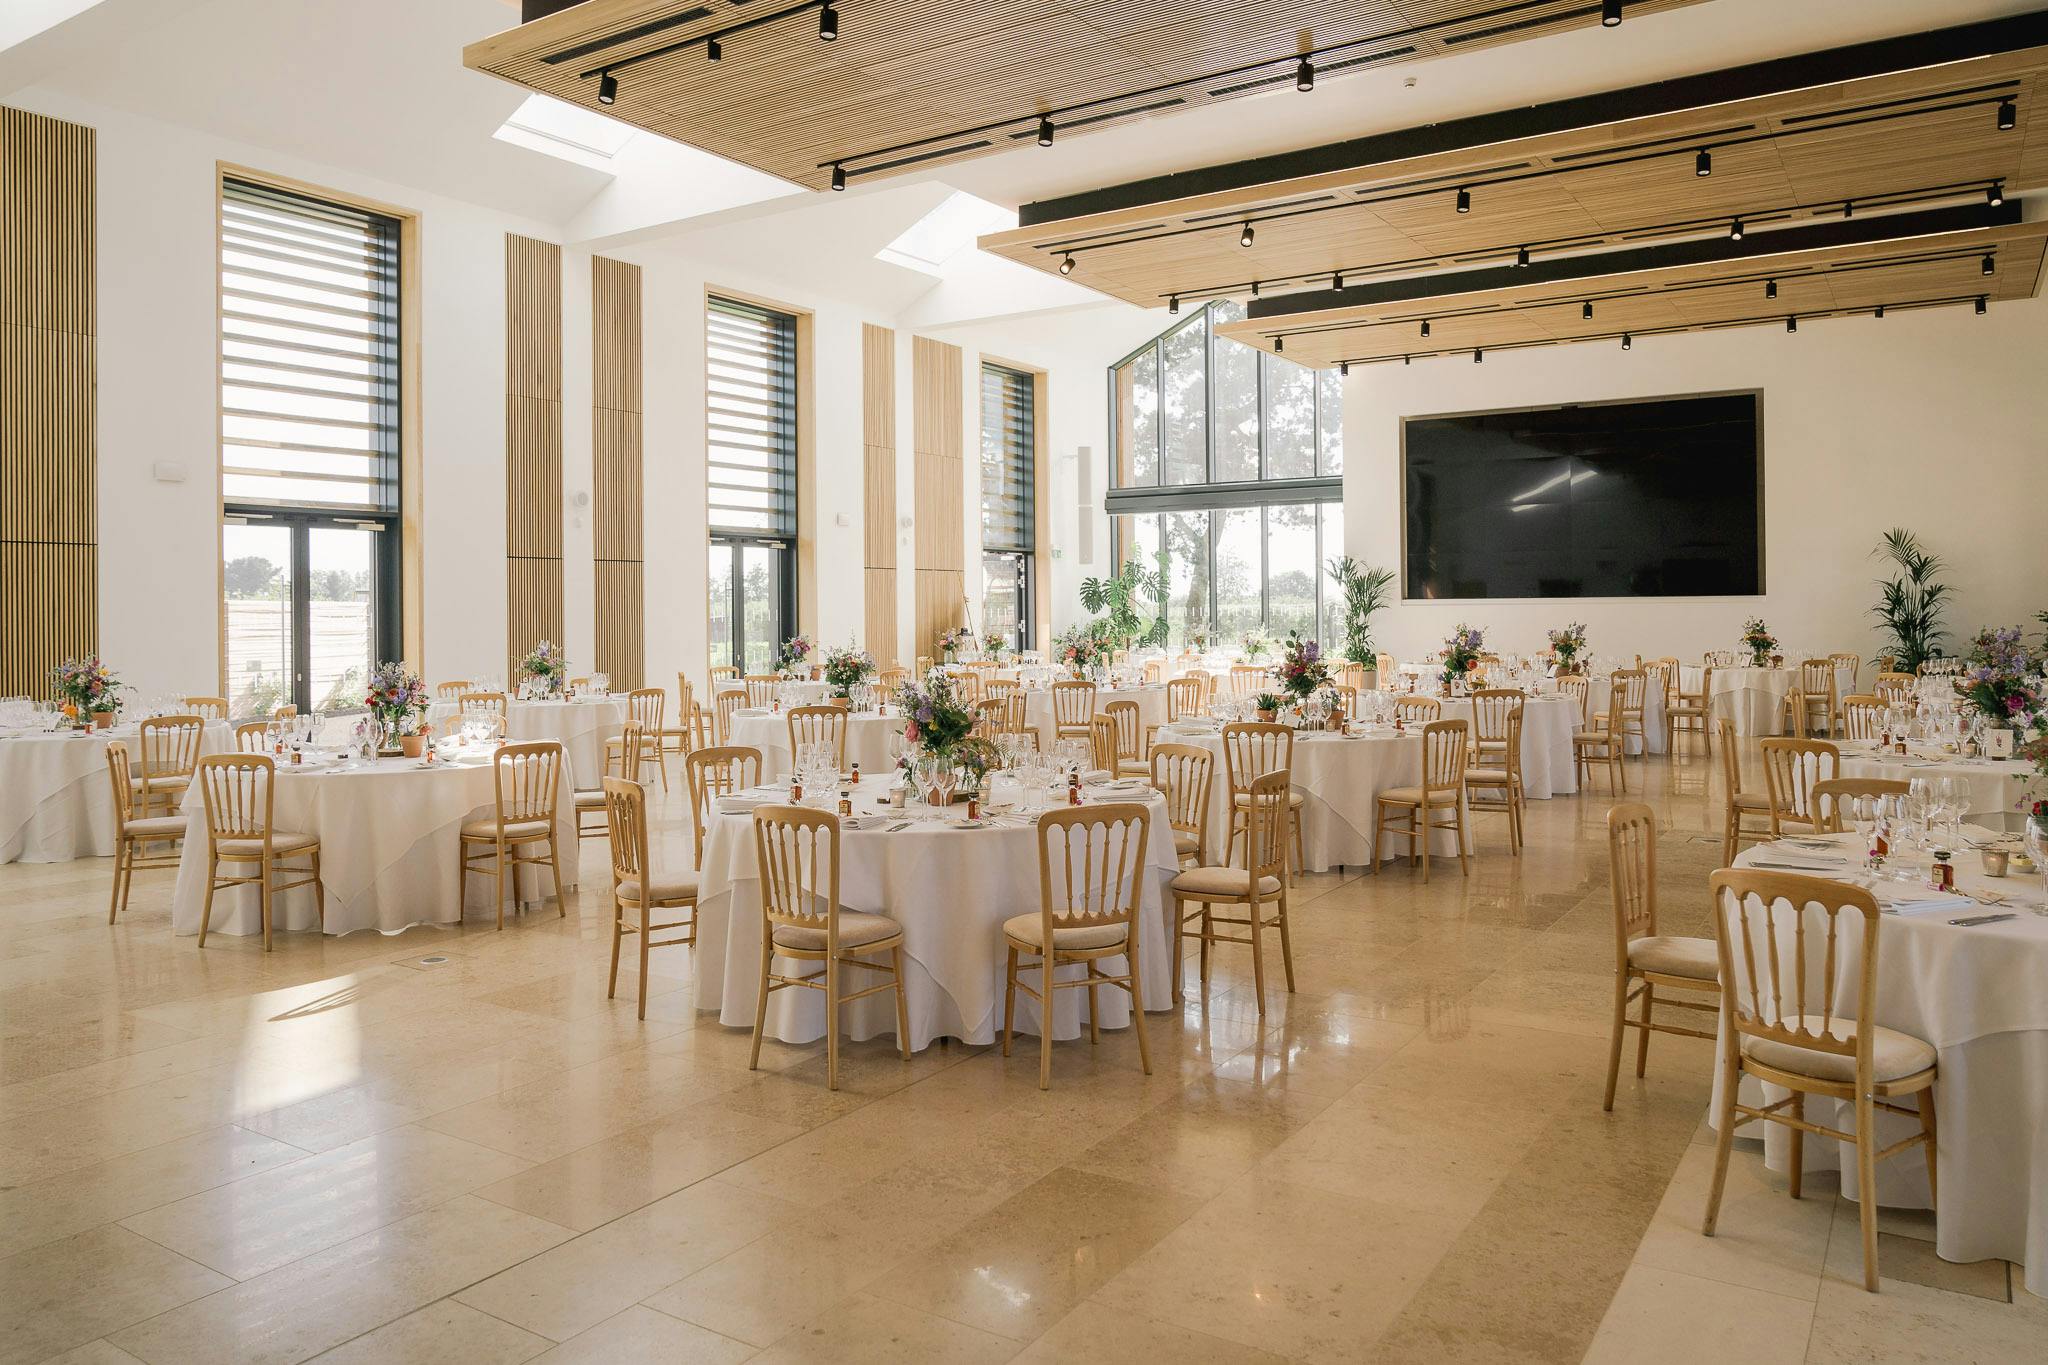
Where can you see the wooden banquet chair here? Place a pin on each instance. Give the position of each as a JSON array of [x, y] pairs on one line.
[[1084, 917], [1791, 767], [890, 679], [1812, 702], [1411, 709], [252, 737], [1578, 687], [1130, 739], [1842, 659], [139, 840], [1632, 687], [1251, 749], [1830, 793], [207, 708], [1895, 689], [637, 890], [1689, 712], [761, 689], [1183, 698], [484, 701], [239, 792], [995, 689], [1643, 958], [818, 725], [1184, 775], [724, 706], [452, 689], [723, 673], [1862, 716], [797, 850], [167, 750], [1602, 741], [1248, 680], [677, 739], [1739, 805], [1495, 784], [592, 809], [1442, 792], [1491, 707], [646, 707], [1073, 709], [711, 772], [1786, 968], [526, 781], [1263, 880]]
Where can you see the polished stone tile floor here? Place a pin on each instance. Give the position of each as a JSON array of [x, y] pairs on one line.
[[338, 1150]]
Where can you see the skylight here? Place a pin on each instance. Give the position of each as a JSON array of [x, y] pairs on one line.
[[560, 129], [927, 244]]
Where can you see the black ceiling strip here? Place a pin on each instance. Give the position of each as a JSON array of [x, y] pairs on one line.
[[1846, 232], [2000, 88], [638, 31], [916, 157], [1714, 138], [1290, 204], [1883, 56], [1322, 69], [1134, 110], [698, 39], [1523, 25]]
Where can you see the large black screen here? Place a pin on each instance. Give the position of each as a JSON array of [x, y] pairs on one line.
[[1645, 499]]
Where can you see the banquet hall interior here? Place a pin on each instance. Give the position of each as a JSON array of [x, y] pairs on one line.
[[1130, 680]]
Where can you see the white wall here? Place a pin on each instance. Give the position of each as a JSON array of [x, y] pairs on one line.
[[1934, 420]]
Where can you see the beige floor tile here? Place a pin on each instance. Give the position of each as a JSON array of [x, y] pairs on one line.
[[1764, 1239], [442, 1331], [267, 1220], [1663, 1315], [1917, 1325], [1119, 1337], [66, 1293], [772, 1286], [871, 1329], [334, 1296], [640, 1335], [1201, 1143], [93, 1353], [1909, 1258]]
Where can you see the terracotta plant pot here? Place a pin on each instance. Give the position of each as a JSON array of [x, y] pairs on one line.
[[412, 746], [103, 719], [1268, 715]]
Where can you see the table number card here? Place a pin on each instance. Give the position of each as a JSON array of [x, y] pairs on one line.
[[1998, 743]]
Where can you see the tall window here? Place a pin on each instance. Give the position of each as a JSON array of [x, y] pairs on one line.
[[1009, 538], [750, 421], [310, 458], [1229, 464]]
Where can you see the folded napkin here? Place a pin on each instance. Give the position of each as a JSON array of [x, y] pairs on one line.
[[1933, 903], [740, 805]]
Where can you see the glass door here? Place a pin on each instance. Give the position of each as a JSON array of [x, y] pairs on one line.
[[752, 602], [310, 606], [256, 616]]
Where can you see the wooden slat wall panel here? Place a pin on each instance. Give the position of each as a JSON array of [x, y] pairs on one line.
[[878, 434], [616, 474], [49, 553], [937, 423], [533, 444]]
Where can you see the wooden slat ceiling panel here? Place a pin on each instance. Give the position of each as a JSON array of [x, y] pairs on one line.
[[919, 72], [1900, 139], [1937, 269]]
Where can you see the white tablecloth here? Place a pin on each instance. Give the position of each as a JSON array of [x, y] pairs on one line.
[[582, 727], [1979, 995], [389, 850], [792, 693], [1340, 780], [867, 740], [1151, 707], [951, 889], [1754, 698], [1547, 727], [55, 804], [1996, 784]]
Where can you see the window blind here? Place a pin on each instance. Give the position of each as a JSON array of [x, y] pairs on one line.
[[309, 352], [750, 412], [1008, 443]]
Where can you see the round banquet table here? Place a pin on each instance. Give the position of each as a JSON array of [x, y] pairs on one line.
[[1151, 707], [867, 739], [951, 889], [581, 725], [1340, 778], [1754, 698], [55, 804], [1599, 695], [791, 692], [1547, 726], [390, 852], [1996, 784], [1979, 995]]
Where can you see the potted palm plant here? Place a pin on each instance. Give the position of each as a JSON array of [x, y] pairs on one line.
[[1366, 591], [1909, 612]]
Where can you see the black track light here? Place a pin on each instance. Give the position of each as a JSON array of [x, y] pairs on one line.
[[1627, 342], [1983, 305], [1044, 131], [1305, 75], [1791, 324], [712, 51], [607, 88], [1244, 238], [1425, 327], [1988, 265], [1880, 311], [839, 177], [1770, 289], [1067, 264], [1703, 164], [1735, 231], [828, 23], [2008, 115], [1849, 208], [1478, 356], [1610, 13], [1343, 368], [1279, 344], [1255, 288], [1407, 360], [1464, 201], [1586, 310], [1996, 194], [1336, 279], [1173, 304], [1521, 255]]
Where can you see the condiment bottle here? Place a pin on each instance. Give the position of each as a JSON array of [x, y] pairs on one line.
[[845, 802], [973, 806], [1944, 871], [796, 790], [856, 772], [1073, 789]]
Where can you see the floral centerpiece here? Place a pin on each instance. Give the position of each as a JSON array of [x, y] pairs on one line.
[[1302, 670], [951, 642], [938, 725], [1254, 646], [2035, 751], [1999, 682], [1461, 652], [847, 668], [1567, 645], [994, 645], [1267, 704], [548, 665], [87, 687], [398, 700], [1758, 640], [1079, 650], [795, 651]]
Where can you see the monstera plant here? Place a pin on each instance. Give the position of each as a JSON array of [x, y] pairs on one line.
[[1131, 603]]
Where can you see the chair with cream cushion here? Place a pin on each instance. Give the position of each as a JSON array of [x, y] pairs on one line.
[[1130, 739], [1793, 951], [645, 707], [1437, 804], [252, 737], [1631, 689], [1183, 774], [1184, 697], [1738, 805], [1853, 664], [592, 818], [637, 889], [1812, 702], [1491, 707], [142, 841], [797, 849], [167, 751], [1260, 884], [1602, 741], [725, 705], [239, 792], [761, 689], [1690, 712], [1494, 781], [527, 780], [1251, 749], [1862, 716], [818, 725], [1413, 710], [1643, 958], [723, 673], [1894, 689], [677, 739], [1091, 885], [1791, 767], [207, 708], [1073, 709]]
